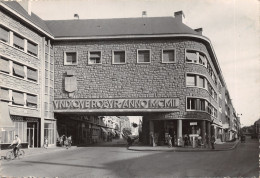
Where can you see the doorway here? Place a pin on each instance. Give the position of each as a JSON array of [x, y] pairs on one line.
[[32, 134]]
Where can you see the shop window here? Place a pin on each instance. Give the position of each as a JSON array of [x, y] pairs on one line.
[[191, 80], [32, 74], [4, 34], [49, 132], [18, 70], [143, 56], [31, 101], [119, 57], [168, 56], [18, 42], [4, 94], [94, 57], [18, 98], [4, 65], [70, 58], [32, 48]]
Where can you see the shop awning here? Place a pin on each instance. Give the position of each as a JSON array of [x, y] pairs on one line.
[[5, 120]]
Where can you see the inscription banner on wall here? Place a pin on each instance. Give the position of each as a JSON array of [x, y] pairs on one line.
[[95, 104]]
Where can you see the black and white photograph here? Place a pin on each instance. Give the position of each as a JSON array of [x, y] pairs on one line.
[[129, 88]]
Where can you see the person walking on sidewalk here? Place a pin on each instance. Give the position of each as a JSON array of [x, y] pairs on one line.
[[213, 142], [169, 141], [45, 144], [17, 144]]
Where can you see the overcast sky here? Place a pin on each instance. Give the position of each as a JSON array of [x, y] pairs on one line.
[[231, 25]]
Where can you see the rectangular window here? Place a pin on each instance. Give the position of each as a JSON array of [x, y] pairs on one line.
[[18, 98], [31, 101], [70, 58], [32, 74], [95, 57], [4, 65], [191, 104], [203, 60], [191, 80], [119, 57], [191, 56], [18, 70], [4, 34], [4, 94], [143, 56], [201, 82], [32, 48], [202, 105], [18, 42], [168, 56]]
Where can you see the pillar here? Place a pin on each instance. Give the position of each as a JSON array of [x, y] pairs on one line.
[[203, 131], [208, 132], [151, 132], [179, 132]]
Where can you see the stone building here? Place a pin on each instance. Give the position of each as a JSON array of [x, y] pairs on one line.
[[155, 67], [26, 77]]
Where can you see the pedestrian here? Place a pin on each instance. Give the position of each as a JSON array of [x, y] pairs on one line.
[[129, 142], [213, 142], [69, 142], [185, 140], [169, 140], [45, 142]]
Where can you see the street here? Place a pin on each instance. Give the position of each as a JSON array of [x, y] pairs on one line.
[[119, 162]]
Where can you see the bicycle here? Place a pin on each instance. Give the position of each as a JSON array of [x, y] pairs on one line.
[[10, 154]]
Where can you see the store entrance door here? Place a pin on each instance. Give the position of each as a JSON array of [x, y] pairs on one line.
[[30, 137]]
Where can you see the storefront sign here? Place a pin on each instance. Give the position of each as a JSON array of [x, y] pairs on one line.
[[193, 123], [158, 103]]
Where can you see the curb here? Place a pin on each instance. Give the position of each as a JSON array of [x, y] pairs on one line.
[[179, 150]]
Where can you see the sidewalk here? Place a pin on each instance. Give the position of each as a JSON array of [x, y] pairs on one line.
[[218, 147], [35, 151]]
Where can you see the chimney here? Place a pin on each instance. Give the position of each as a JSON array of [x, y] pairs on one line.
[[76, 16], [144, 14], [199, 30], [179, 16], [26, 4]]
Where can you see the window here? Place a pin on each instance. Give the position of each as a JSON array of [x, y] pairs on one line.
[[191, 80], [18, 98], [203, 60], [4, 34], [201, 82], [18, 42], [32, 74], [70, 58], [202, 105], [4, 65], [18, 70], [49, 132], [143, 56], [191, 104], [95, 57], [4, 94], [168, 56], [32, 48], [191, 56], [119, 57], [31, 101]]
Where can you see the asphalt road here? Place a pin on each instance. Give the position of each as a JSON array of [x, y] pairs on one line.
[[119, 162]]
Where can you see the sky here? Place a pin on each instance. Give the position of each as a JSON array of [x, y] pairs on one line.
[[233, 26]]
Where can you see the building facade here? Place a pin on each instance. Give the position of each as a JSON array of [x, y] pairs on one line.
[[155, 67]]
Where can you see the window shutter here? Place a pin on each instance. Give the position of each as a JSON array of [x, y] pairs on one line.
[[4, 35], [18, 70], [4, 94], [18, 41], [4, 65], [18, 98], [32, 74], [33, 48], [31, 99]]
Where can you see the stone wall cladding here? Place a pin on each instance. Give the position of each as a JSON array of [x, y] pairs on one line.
[[19, 56], [130, 80]]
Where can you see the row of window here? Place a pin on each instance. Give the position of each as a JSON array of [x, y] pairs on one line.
[[18, 70], [197, 57], [18, 98], [18, 41], [200, 81], [198, 104], [119, 57]]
